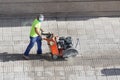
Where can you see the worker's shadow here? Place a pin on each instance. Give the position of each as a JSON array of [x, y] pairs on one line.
[[4, 57]]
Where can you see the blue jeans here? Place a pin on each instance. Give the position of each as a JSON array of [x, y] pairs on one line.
[[31, 44]]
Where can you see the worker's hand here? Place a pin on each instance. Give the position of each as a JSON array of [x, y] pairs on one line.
[[50, 32], [40, 37]]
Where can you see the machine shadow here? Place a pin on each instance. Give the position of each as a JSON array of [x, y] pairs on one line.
[[5, 57]]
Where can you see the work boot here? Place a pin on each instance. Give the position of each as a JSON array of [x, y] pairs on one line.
[[26, 57], [39, 54]]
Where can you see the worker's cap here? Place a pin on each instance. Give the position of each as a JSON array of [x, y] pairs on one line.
[[41, 17]]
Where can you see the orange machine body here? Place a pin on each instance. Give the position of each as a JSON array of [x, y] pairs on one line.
[[52, 42]]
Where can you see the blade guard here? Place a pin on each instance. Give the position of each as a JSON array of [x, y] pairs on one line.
[[70, 52]]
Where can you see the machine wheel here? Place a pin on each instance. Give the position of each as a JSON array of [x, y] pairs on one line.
[[54, 57]]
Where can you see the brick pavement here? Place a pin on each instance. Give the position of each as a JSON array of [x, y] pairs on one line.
[[99, 50]]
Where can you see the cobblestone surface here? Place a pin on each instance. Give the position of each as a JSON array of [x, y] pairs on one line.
[[98, 40]]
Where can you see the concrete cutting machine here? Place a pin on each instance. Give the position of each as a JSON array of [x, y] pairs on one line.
[[60, 46]]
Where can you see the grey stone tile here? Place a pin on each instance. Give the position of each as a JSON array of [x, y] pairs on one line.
[[59, 73], [94, 46], [38, 63], [7, 38], [83, 37], [1, 38], [8, 76], [81, 78], [91, 78], [62, 32], [19, 75], [40, 68], [18, 63], [111, 77], [100, 36], [102, 32], [71, 77], [101, 78], [60, 78], [118, 77], [19, 78], [6, 43], [89, 68], [50, 68], [71, 32], [41, 78], [110, 35], [39, 74], [70, 73], [28, 63], [25, 37], [98, 73], [81, 31], [59, 63], [1, 69], [81, 73], [8, 69], [89, 73], [18, 49], [29, 76], [61, 68], [1, 76], [18, 69], [15, 38], [49, 73]]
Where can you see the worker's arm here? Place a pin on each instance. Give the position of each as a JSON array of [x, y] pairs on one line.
[[41, 30], [37, 30]]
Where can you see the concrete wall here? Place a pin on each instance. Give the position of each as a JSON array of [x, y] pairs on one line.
[[61, 7]]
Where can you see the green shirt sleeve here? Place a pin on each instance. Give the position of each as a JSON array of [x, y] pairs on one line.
[[38, 25]]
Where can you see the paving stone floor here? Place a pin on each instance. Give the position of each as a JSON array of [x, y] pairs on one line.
[[97, 40]]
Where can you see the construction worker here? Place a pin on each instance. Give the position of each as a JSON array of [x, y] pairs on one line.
[[35, 36]]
